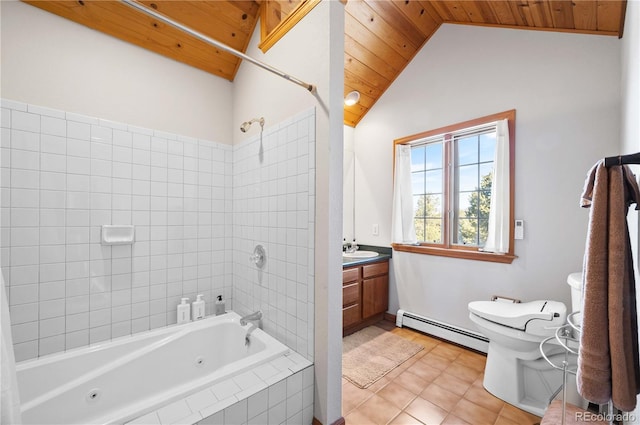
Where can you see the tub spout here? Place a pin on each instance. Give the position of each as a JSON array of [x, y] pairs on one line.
[[252, 328], [250, 317]]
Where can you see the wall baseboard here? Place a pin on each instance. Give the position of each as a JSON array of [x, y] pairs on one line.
[[455, 334], [390, 317], [340, 421]]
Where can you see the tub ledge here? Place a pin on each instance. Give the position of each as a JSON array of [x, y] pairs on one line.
[[280, 379]]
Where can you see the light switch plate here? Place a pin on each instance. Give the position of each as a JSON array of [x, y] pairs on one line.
[[519, 230]]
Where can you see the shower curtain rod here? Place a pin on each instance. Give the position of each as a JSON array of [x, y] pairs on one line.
[[134, 4], [633, 158]]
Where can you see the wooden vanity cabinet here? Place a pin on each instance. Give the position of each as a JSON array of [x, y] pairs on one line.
[[351, 298], [365, 295]]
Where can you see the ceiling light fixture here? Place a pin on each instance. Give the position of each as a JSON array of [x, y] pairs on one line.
[[352, 98]]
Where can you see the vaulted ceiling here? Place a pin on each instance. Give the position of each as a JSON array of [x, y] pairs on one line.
[[381, 36]]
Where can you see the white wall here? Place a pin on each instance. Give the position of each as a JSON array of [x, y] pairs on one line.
[[566, 92], [630, 128], [348, 179], [630, 82], [630, 60], [312, 51], [52, 61]]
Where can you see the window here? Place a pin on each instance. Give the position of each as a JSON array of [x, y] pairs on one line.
[[452, 175]]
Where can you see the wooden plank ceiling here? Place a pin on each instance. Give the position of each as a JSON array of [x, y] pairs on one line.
[[381, 36], [230, 22]]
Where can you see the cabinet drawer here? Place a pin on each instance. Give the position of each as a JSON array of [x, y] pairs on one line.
[[351, 315], [350, 275], [351, 293], [375, 269]]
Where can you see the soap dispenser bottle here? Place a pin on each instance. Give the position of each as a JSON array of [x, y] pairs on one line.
[[198, 308], [220, 306], [184, 311]]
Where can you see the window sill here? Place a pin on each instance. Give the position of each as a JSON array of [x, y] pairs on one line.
[[456, 253]]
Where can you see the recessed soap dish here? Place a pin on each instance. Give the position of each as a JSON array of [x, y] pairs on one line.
[[117, 234]]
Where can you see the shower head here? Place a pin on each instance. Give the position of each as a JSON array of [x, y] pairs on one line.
[[245, 125]]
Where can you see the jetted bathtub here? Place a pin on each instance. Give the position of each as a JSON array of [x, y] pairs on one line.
[[118, 381]]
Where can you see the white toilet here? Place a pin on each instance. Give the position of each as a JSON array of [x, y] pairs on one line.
[[575, 281], [515, 370]]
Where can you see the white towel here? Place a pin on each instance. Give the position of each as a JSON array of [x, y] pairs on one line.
[[10, 404]]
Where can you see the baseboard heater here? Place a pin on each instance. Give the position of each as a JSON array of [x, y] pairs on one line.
[[442, 330]]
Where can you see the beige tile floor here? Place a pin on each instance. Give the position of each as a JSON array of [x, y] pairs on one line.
[[442, 384]]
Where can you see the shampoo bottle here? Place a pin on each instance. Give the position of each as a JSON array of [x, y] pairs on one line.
[[184, 311], [220, 306], [198, 308]]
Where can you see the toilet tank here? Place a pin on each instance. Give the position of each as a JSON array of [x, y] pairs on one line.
[[575, 281]]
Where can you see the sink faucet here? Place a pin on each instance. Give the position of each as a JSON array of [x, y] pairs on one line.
[[352, 247], [250, 317]]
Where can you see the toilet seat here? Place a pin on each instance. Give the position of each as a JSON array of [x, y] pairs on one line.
[[532, 317]]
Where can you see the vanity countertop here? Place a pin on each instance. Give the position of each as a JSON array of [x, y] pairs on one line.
[[384, 253]]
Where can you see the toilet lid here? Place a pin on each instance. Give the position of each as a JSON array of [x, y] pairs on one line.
[[516, 315]]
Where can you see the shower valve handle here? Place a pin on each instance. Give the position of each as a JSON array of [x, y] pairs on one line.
[[259, 256]]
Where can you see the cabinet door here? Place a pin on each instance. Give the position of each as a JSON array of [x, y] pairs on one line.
[[351, 315], [375, 295]]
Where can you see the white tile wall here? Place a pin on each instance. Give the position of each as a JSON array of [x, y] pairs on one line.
[[199, 208], [63, 175], [273, 205]]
